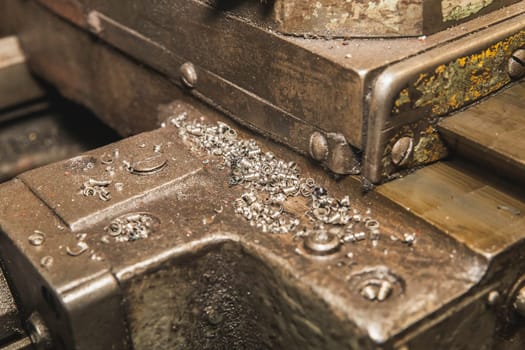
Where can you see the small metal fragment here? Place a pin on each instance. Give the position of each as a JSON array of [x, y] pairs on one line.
[[106, 159], [78, 249], [384, 291], [369, 292], [46, 261], [514, 211], [409, 238], [149, 166], [37, 238]]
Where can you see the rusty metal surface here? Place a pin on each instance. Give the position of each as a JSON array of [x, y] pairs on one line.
[[318, 297], [491, 132], [241, 85], [475, 67], [328, 18]]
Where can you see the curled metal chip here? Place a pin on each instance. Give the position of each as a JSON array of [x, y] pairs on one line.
[[149, 165]]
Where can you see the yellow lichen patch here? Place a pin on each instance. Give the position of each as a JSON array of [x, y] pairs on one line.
[[404, 98], [463, 80]]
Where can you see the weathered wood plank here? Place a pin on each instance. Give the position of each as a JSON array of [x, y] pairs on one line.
[[492, 132]]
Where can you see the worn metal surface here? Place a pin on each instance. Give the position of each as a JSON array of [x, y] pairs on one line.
[[207, 279], [329, 18], [17, 86], [277, 93], [492, 132], [462, 72]]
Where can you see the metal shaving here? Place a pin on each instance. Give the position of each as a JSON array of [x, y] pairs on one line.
[[131, 227], [270, 181]]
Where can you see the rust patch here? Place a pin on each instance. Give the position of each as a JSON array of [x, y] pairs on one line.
[[460, 82], [428, 148]]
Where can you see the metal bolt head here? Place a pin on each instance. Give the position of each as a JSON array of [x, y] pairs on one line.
[[516, 64], [493, 298], [318, 146], [402, 150], [38, 332], [188, 74], [519, 302], [322, 242]]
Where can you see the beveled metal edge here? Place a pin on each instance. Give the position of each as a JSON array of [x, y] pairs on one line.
[[390, 82]]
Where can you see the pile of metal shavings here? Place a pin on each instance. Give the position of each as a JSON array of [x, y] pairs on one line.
[[132, 227], [270, 182], [98, 188]]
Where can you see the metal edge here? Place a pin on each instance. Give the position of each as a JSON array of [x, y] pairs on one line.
[[393, 78]]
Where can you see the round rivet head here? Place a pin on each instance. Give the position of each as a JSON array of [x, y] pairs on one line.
[[188, 74], [402, 150], [493, 298], [516, 64], [318, 146], [322, 242]]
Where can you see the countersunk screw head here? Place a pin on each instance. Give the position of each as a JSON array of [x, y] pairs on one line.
[[188, 74], [402, 150], [321, 242], [516, 64], [318, 146]]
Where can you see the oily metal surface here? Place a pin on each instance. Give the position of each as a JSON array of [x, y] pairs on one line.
[[492, 132], [200, 231]]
